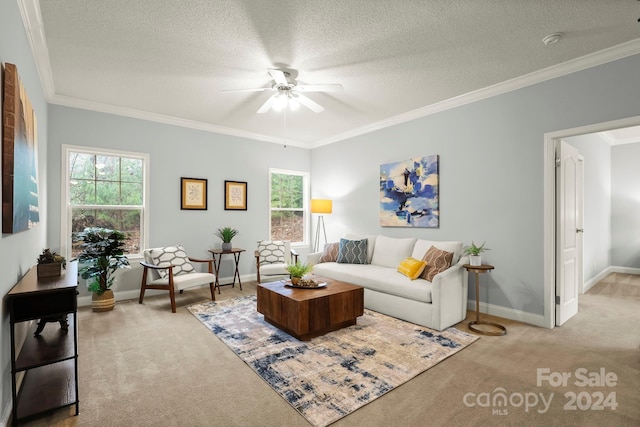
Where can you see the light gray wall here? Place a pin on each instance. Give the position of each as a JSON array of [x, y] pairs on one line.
[[491, 171], [625, 205], [19, 251], [178, 152], [597, 202]]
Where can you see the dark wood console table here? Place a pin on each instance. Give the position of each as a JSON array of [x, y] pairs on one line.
[[48, 358]]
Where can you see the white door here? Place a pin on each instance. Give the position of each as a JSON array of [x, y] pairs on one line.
[[569, 231]]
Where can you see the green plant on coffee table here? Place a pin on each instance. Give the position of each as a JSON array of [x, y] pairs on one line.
[[298, 269], [226, 234], [49, 257], [475, 250], [101, 256]]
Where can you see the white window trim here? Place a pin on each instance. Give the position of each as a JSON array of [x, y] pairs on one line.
[[65, 208], [305, 203]]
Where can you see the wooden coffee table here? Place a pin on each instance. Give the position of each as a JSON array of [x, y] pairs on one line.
[[308, 313]]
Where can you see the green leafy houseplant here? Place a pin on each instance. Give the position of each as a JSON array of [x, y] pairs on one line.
[[298, 269], [226, 234], [102, 255], [475, 250], [49, 257]]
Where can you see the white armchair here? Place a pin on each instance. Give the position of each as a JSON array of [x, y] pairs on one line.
[[272, 258], [170, 269]]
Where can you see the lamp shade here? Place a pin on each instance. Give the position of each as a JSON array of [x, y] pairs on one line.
[[321, 206]]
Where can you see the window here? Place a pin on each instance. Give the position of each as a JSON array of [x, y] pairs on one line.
[[289, 219], [104, 188]]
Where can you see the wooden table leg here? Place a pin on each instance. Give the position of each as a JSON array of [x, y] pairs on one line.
[[237, 272], [216, 266]]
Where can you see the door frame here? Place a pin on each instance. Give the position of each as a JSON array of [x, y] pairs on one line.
[[549, 204]]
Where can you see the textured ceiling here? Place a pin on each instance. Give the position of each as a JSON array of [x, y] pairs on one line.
[[169, 60]]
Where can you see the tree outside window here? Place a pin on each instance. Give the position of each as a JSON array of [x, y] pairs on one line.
[[288, 214], [106, 190]]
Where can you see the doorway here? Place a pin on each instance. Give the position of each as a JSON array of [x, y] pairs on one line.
[[551, 267]]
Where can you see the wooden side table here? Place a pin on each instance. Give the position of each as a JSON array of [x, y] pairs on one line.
[[217, 260], [501, 330]]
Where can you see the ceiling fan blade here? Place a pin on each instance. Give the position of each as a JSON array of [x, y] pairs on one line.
[[320, 88], [267, 105], [258, 89], [278, 76], [316, 108]]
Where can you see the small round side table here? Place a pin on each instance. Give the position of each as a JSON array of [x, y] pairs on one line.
[[501, 330]]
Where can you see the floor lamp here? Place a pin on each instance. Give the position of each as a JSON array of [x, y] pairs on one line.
[[321, 207]]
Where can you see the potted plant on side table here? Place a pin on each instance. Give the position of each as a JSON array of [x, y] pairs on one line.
[[102, 255], [227, 234], [50, 264], [474, 253], [298, 270]]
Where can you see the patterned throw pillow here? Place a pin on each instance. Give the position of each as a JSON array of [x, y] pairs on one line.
[[352, 251], [271, 251], [172, 255], [330, 253], [412, 268], [437, 262]]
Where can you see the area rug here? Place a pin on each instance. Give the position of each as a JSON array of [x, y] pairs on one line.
[[330, 376]]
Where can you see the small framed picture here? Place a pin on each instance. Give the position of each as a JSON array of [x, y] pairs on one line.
[[235, 195], [193, 194]]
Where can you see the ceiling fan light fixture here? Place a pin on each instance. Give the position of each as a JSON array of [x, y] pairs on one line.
[[293, 103], [281, 102]]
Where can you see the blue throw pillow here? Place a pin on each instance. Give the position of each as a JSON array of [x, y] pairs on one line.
[[352, 251]]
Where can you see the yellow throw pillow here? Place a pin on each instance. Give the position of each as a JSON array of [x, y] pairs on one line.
[[412, 268]]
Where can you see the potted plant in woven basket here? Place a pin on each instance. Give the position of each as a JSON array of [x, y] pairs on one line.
[[102, 254], [50, 264]]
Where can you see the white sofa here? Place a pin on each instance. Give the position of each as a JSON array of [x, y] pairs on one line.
[[436, 305]]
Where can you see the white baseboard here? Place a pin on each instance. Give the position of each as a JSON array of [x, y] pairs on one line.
[[85, 301], [624, 270], [508, 313], [604, 273], [538, 319]]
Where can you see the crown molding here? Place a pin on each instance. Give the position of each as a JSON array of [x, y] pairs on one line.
[[31, 16], [32, 20], [597, 58], [607, 137], [170, 120]]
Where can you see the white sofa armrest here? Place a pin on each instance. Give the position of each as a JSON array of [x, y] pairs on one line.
[[449, 294], [313, 258]]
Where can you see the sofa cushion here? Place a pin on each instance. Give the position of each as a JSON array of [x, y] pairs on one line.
[[389, 252], [411, 267], [376, 278], [437, 261], [422, 246], [171, 255], [330, 253], [352, 251], [271, 251], [371, 242]]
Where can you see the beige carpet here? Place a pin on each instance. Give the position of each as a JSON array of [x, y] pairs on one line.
[[141, 365]]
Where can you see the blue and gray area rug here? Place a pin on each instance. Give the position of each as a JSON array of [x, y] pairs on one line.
[[330, 376]]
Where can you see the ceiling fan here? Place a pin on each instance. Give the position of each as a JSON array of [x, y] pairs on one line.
[[288, 93]]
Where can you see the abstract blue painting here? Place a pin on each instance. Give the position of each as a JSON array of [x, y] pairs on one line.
[[20, 207], [409, 193]]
